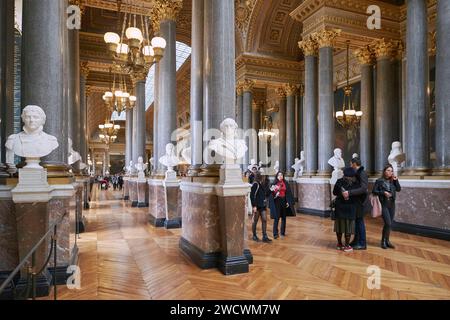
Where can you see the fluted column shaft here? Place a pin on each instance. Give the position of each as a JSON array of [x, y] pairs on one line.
[[256, 125], [310, 115], [197, 85], [417, 148], [83, 114], [282, 129], [139, 139], [74, 88], [366, 135], [299, 122], [6, 76], [128, 136], [43, 69], [156, 164], [247, 123], [240, 106], [290, 128], [442, 165]]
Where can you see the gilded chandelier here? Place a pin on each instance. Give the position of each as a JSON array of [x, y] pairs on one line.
[[108, 132], [117, 98]]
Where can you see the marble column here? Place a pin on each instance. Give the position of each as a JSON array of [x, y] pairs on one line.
[[326, 144], [417, 114], [156, 164], [128, 136], [84, 92], [247, 124], [256, 125], [309, 47], [74, 91], [442, 89], [299, 120], [366, 57], [197, 87], [291, 91], [43, 76], [282, 128], [167, 88], [386, 102], [6, 78], [240, 105], [218, 70], [139, 139]]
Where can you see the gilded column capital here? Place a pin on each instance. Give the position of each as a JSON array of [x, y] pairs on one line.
[[248, 85], [365, 55], [301, 89], [84, 68], [432, 49], [138, 76], [290, 89], [88, 90], [387, 48], [326, 38], [165, 10], [239, 89], [308, 46], [281, 93], [80, 4]]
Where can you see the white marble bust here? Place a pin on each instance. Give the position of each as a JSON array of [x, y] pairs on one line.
[[73, 155], [396, 157], [299, 165], [141, 167], [170, 159], [276, 167], [130, 168], [32, 142], [338, 164], [355, 155], [260, 167], [229, 146], [252, 164]]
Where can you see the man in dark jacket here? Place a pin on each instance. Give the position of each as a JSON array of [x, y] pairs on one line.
[[359, 243]]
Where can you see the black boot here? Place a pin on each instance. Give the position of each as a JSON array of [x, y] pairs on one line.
[[255, 238], [388, 243], [383, 243], [266, 238]]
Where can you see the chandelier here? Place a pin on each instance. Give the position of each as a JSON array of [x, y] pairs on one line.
[[132, 50], [108, 132], [348, 117], [266, 131], [117, 98]]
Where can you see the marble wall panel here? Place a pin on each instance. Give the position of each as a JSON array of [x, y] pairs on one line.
[[316, 196], [9, 252]]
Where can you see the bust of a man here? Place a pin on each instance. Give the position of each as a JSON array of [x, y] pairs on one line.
[[73, 155], [299, 165], [336, 160], [260, 166], [276, 167], [170, 159], [229, 146], [140, 167], [396, 156], [32, 142], [130, 168], [252, 164]]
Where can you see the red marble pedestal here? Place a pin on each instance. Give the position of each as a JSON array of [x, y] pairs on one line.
[[314, 196], [157, 202]]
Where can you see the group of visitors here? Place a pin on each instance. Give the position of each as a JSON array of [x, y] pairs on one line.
[[105, 181], [352, 202]]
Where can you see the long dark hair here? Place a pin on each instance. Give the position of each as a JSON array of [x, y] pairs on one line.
[[276, 177], [384, 170]]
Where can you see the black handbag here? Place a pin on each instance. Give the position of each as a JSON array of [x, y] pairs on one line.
[[333, 209]]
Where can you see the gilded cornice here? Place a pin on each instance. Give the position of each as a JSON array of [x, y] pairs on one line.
[[141, 7], [84, 68], [365, 55], [243, 12], [309, 46], [239, 89], [166, 10], [326, 38], [80, 4], [281, 92], [290, 89], [387, 48], [247, 85]]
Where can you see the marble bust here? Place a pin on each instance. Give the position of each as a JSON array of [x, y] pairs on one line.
[[130, 168], [252, 164], [170, 159], [355, 155], [260, 167], [73, 155], [229, 146], [396, 157], [338, 164], [32, 143], [276, 167], [299, 165], [141, 167]]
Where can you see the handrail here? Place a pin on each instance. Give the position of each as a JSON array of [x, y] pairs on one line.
[[52, 230]]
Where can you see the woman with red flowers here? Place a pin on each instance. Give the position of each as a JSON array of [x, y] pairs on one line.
[[281, 204]]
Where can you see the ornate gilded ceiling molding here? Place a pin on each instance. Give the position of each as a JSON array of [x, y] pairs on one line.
[[80, 4], [165, 10], [142, 7], [239, 88], [281, 92], [243, 13], [84, 68], [290, 89], [247, 85], [387, 48], [326, 38], [309, 46], [365, 55]]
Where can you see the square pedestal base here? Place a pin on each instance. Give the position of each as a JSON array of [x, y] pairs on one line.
[[314, 196]]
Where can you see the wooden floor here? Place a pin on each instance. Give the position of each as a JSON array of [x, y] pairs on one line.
[[122, 257]]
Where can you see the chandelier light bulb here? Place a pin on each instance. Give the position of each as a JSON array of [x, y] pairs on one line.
[[122, 49], [158, 42], [118, 93], [125, 95], [148, 51], [116, 127], [133, 98], [108, 94], [101, 126], [134, 34], [339, 114], [112, 37]]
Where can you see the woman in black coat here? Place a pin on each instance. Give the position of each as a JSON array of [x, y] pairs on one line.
[[345, 209], [258, 196], [386, 188], [281, 203]]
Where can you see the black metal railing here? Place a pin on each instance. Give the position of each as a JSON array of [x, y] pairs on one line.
[[32, 270]]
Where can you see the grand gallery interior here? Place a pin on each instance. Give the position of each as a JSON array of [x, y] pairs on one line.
[[115, 114]]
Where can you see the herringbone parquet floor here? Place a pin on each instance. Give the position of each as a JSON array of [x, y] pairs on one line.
[[122, 257]]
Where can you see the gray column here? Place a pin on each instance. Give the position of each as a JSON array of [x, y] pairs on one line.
[[128, 136], [247, 122], [43, 75], [167, 119], [74, 89], [6, 77], [84, 71], [299, 121], [417, 114], [326, 99], [219, 65], [240, 106], [156, 163], [291, 91], [139, 139], [197, 86], [384, 115], [443, 88], [310, 115], [282, 129], [256, 125], [366, 133]]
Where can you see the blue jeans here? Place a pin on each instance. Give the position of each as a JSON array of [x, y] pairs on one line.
[[360, 232]]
